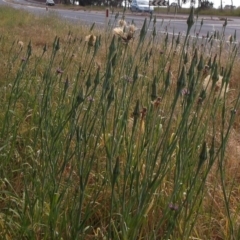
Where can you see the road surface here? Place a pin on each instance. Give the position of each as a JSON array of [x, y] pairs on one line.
[[169, 23]]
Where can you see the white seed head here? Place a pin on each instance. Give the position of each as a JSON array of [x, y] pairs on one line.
[[132, 28], [20, 43], [122, 23], [91, 39], [118, 31], [219, 88]]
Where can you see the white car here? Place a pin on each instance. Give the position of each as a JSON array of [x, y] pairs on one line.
[[50, 3], [141, 6], [75, 2]]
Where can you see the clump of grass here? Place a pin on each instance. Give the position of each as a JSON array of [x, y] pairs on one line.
[[105, 136]]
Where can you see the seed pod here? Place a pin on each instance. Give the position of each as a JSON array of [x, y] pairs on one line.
[[111, 96], [215, 76], [168, 79], [66, 85], [112, 47], [214, 61], [96, 80], [146, 58], [136, 112], [211, 151], [200, 64], [97, 44], [80, 97], [135, 75], [185, 58], [29, 49], [181, 83], [135, 115], [191, 69], [178, 39], [166, 39], [44, 48], [114, 60], [81, 182], [56, 44], [202, 156], [106, 82], [190, 20], [202, 96], [116, 171], [143, 30], [88, 82], [228, 74], [209, 62], [195, 56], [78, 134], [154, 89], [235, 35]]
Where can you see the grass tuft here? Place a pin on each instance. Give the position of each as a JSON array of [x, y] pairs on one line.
[[117, 134]]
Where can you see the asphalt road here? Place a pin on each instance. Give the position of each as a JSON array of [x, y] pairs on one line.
[[165, 23]]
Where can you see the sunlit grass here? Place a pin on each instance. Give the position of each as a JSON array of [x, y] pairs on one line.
[[117, 134]]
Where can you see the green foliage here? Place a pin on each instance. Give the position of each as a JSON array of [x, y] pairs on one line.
[[118, 151]]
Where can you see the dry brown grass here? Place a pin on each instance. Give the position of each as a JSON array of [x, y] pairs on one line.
[[212, 221]]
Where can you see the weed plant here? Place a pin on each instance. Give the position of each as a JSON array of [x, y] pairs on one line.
[[115, 136]]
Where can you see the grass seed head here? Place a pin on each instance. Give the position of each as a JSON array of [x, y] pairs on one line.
[[132, 28], [230, 38], [90, 39], [20, 44], [219, 87], [190, 20], [118, 31], [122, 23]]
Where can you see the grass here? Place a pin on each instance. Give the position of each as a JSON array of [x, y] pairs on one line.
[[115, 136]]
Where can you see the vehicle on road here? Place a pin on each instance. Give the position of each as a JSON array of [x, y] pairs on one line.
[[175, 5], [141, 6], [229, 7], [74, 2], [50, 3]]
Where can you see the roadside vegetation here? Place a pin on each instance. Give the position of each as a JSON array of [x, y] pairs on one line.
[[117, 132], [161, 10], [118, 6], [201, 12]]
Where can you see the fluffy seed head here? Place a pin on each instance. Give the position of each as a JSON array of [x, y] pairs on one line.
[[91, 39], [20, 43], [219, 88], [122, 23]]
